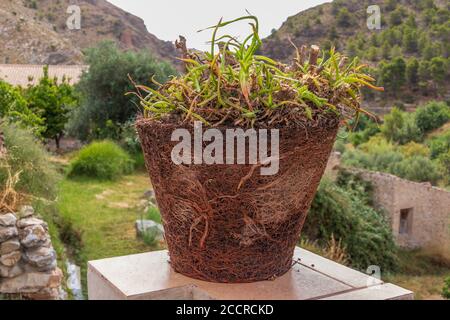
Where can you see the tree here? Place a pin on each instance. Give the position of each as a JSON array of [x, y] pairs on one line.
[[14, 107], [352, 49], [393, 74], [410, 43], [344, 18], [333, 34], [53, 101], [372, 54], [395, 18], [438, 69], [412, 71], [385, 50], [400, 127], [424, 70], [432, 115], [104, 106], [391, 5]]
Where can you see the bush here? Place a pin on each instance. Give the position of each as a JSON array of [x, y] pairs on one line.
[[418, 168], [415, 149], [446, 290], [444, 160], [342, 211], [153, 214], [432, 116], [408, 162], [27, 156], [102, 160], [401, 127], [439, 145], [377, 154]]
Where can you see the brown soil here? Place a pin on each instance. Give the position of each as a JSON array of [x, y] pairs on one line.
[[228, 223]]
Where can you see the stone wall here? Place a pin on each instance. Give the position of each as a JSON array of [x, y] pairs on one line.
[[27, 258], [419, 213]]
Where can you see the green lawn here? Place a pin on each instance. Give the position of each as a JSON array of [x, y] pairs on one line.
[[102, 214]]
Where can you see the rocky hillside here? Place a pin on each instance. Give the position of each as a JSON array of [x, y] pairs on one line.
[[35, 31], [409, 54]]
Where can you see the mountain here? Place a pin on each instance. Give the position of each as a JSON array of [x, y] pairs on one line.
[[409, 55], [35, 31]]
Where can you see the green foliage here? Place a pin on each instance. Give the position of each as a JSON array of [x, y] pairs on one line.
[[344, 18], [26, 156], [232, 83], [103, 160], [365, 129], [412, 149], [439, 145], [401, 127], [418, 168], [412, 71], [444, 160], [149, 237], [53, 101], [104, 107], [446, 290], [154, 214], [439, 69], [410, 42], [129, 139], [377, 155], [393, 74], [395, 18], [432, 116], [342, 210], [14, 107]]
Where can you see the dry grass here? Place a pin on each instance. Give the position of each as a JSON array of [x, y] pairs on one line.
[[10, 199]]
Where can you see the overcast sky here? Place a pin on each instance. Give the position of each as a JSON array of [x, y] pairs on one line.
[[169, 18]]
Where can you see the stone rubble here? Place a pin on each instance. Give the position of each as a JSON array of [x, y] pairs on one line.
[[28, 264], [144, 226]]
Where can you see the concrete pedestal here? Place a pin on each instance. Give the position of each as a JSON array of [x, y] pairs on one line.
[[148, 276]]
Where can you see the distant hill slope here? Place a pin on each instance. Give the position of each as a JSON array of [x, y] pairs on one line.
[[409, 55], [35, 31]]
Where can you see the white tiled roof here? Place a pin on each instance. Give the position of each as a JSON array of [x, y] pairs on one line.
[[25, 74]]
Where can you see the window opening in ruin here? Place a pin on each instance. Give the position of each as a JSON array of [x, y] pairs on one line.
[[406, 221]]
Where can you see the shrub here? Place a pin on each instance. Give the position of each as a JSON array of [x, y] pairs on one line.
[[377, 154], [27, 157], [444, 160], [102, 160], [446, 290], [363, 130], [418, 168], [341, 211], [401, 127], [153, 214], [415, 149], [439, 145], [432, 116]]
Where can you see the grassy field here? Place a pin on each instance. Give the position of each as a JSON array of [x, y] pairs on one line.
[[101, 216], [421, 272]]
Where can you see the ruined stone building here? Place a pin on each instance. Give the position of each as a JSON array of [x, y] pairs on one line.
[[418, 212]]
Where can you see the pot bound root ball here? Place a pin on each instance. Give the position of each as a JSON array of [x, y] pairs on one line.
[[227, 222]]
